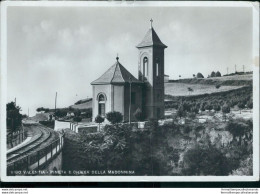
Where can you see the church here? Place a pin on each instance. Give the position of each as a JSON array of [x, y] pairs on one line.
[[118, 90]]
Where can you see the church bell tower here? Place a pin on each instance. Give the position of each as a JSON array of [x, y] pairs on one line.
[[151, 72]]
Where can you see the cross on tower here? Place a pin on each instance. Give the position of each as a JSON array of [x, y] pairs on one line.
[[151, 20]]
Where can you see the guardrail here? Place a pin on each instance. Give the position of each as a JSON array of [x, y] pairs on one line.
[[37, 159], [17, 137]]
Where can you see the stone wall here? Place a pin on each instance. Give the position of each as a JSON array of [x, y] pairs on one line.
[[61, 125]]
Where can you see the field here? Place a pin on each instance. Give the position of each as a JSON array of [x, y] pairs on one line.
[[181, 89]]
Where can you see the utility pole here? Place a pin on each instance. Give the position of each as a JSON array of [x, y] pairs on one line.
[[15, 101], [130, 82], [244, 68], [235, 68], [28, 112], [55, 104], [227, 70]]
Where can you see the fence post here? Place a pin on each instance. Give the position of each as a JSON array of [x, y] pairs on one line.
[[27, 167], [56, 146], [51, 150], [38, 158], [46, 154]]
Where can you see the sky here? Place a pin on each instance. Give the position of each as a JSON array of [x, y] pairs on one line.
[[63, 49]]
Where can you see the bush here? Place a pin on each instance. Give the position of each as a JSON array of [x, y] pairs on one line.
[[77, 119], [114, 117], [204, 160], [225, 109], [218, 86], [99, 119], [60, 113], [138, 115], [181, 112], [216, 107]]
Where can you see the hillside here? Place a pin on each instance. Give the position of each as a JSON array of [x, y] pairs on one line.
[[235, 80], [181, 89], [82, 105]]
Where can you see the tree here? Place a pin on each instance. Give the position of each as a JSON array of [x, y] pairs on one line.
[[60, 113], [99, 120], [249, 104], [213, 74], [208, 107], [138, 114], [199, 75], [204, 160], [14, 118], [114, 117], [194, 76], [40, 109], [238, 130], [217, 107], [241, 105], [181, 112], [225, 110], [218, 74], [218, 86], [202, 107]]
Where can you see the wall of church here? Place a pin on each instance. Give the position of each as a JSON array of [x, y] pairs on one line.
[[97, 89], [118, 98], [137, 89]]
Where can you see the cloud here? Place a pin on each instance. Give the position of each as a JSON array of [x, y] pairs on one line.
[[64, 49]]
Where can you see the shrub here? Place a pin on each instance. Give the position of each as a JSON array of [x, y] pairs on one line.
[[77, 119], [218, 86], [153, 123], [225, 109], [216, 107], [208, 107], [201, 160], [60, 113], [181, 112], [99, 120], [192, 115], [138, 115], [249, 104], [114, 117]]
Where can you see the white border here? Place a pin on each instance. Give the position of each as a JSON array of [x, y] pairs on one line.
[[255, 8]]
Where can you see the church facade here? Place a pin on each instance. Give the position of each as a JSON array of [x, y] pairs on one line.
[[117, 87]]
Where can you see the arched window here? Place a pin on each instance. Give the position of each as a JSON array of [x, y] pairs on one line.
[[101, 105], [145, 66], [157, 62]]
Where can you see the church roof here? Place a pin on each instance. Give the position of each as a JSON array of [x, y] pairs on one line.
[[116, 74], [151, 39]]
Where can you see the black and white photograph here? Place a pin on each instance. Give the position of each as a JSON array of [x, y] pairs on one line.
[[129, 91]]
